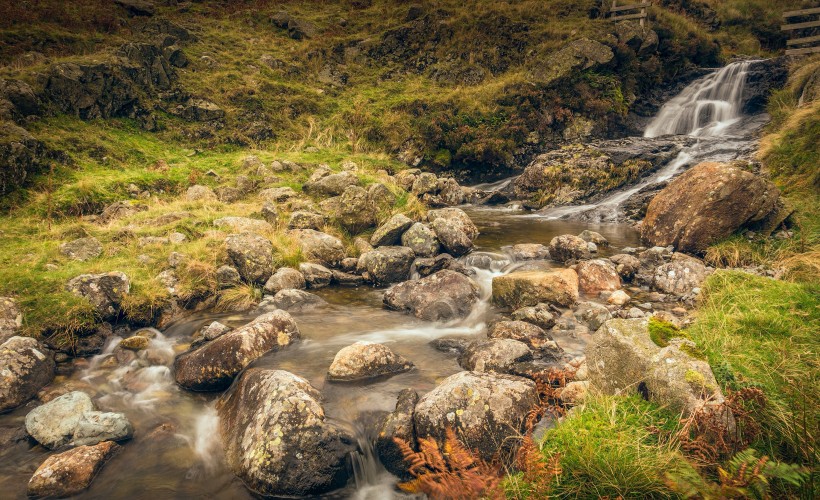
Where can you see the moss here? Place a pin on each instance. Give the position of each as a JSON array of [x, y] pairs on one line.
[[661, 332]]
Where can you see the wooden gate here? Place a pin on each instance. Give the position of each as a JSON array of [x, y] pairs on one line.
[[804, 36], [631, 11]]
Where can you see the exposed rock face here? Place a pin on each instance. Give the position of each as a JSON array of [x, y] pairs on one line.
[[21, 156], [104, 291], [252, 255], [762, 78], [71, 472], [681, 276], [363, 360], [577, 55], [705, 204], [442, 296], [386, 265], [285, 278], [319, 247], [243, 224], [494, 355], [213, 366], [595, 276], [531, 335], [398, 424], [276, 438], [529, 288], [82, 249], [295, 300], [391, 231], [568, 247], [26, 366], [421, 240], [11, 318], [486, 411], [622, 358]]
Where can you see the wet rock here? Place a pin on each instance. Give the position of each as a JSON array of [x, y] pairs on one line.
[[276, 438], [214, 331], [97, 426], [577, 55], [682, 276], [302, 219], [568, 247], [71, 472], [285, 278], [347, 279], [453, 346], [252, 255], [626, 265], [11, 318], [200, 193], [319, 247], [213, 366], [363, 360], [295, 300], [593, 237], [243, 225], [398, 424], [390, 232], [539, 315], [421, 240], [105, 291], [227, 277], [494, 355], [531, 335], [442, 296], [135, 343], [592, 314], [26, 366], [619, 298], [596, 276], [486, 411], [623, 359], [706, 204], [316, 275], [529, 288], [385, 265], [529, 251], [82, 249]]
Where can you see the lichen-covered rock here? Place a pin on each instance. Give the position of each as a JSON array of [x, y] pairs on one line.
[[319, 247], [82, 249], [486, 410], [385, 265], [353, 210], [494, 355], [303, 219], [391, 231], [568, 247], [705, 204], [454, 230], [681, 277], [227, 277], [276, 437], [529, 288], [285, 278], [592, 314], [596, 276], [213, 366], [11, 318], [421, 240], [331, 185], [363, 360], [626, 265], [278, 195], [71, 472], [98, 426], [529, 251], [243, 224], [200, 193], [105, 291], [316, 275], [442, 296], [531, 335], [26, 366], [293, 300], [397, 424], [252, 255]]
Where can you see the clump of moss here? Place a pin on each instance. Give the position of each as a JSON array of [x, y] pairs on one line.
[[661, 332]]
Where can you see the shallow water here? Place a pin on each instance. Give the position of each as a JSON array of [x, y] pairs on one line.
[[176, 452]]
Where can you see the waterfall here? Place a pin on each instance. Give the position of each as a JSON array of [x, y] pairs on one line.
[[706, 107]]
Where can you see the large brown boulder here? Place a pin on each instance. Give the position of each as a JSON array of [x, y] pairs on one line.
[[529, 288], [708, 203], [71, 472], [25, 367]]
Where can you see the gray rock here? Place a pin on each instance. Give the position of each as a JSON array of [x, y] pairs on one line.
[[593, 237], [214, 331], [494, 355], [390, 232], [529, 251], [105, 291], [452, 239], [11, 318], [539, 315], [353, 210], [529, 288], [397, 424], [315, 275], [277, 195], [347, 279], [385, 265], [227, 277], [425, 182], [95, 427], [200, 193], [252, 255], [285, 278], [592, 314], [364, 360], [626, 265], [331, 185], [319, 247], [243, 225], [681, 276], [53, 423], [295, 300], [533, 336], [568, 247], [82, 249], [421, 240], [26, 366], [442, 296], [302, 219]]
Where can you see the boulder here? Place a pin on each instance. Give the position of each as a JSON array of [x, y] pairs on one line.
[[302, 219], [252, 255], [682, 276], [531, 335], [105, 291], [529, 288], [529, 251], [577, 55], [277, 195], [539, 315], [347, 279], [457, 218], [454, 240], [353, 210], [11, 318], [213, 366], [486, 410], [319, 247], [199, 110], [619, 298], [120, 210], [243, 225], [442, 296], [97, 426], [596, 276], [385, 265], [494, 355], [26, 366], [316, 275], [82, 249], [285, 278], [71, 472], [227, 277], [397, 424], [626, 265], [381, 196], [425, 182], [568, 247], [706, 204], [294, 300], [391, 231], [421, 240], [200, 193], [363, 360], [592, 314], [276, 437], [623, 359]]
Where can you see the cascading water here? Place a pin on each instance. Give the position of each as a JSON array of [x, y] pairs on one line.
[[709, 109]]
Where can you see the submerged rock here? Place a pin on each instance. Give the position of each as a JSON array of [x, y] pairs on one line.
[[213, 366], [363, 360], [26, 366], [71, 472], [529, 288], [442, 296], [276, 438]]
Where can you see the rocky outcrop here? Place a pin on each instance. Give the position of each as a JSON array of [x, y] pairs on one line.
[[494, 355], [213, 366], [486, 411], [71, 472], [251, 255], [276, 437], [319, 247], [385, 265], [442, 296], [577, 55], [104, 291], [21, 156], [529, 288], [26, 366], [762, 78], [706, 204], [364, 360]]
